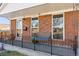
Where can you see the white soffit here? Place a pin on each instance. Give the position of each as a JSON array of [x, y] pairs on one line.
[[43, 8], [10, 7]]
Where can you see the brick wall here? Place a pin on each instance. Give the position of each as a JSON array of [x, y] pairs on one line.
[[71, 28], [45, 23], [26, 33], [13, 27]]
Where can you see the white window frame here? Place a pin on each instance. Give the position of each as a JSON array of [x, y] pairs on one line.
[[31, 23], [63, 27], [21, 28]]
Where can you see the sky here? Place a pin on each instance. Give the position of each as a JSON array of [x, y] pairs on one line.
[[4, 20]]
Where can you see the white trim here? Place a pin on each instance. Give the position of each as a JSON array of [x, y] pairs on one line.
[[52, 27], [10, 26], [31, 27], [50, 12], [16, 18], [16, 33], [63, 28]]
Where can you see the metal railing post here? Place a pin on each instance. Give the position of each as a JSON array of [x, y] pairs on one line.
[[22, 43], [34, 40], [51, 43], [3, 44], [12, 42], [75, 48]]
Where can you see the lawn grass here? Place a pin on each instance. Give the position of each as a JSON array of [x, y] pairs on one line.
[[10, 53]]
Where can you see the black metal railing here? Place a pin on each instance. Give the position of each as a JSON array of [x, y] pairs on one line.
[[44, 46]]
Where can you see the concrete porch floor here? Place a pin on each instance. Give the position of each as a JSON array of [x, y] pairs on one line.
[[25, 51]]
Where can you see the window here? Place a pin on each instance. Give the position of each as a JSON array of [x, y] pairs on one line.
[[58, 25], [19, 28], [35, 25]]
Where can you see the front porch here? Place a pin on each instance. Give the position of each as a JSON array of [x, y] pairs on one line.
[[49, 28]]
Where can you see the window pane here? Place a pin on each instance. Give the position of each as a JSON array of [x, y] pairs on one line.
[[19, 24], [58, 27], [35, 25], [19, 28]]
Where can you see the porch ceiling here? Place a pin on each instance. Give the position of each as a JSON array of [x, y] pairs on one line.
[[38, 9]]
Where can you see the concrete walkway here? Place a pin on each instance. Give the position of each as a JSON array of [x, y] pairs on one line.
[[24, 50]]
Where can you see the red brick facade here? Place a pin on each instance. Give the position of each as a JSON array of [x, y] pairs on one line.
[[71, 26], [26, 28], [71, 21], [45, 23], [13, 27]]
